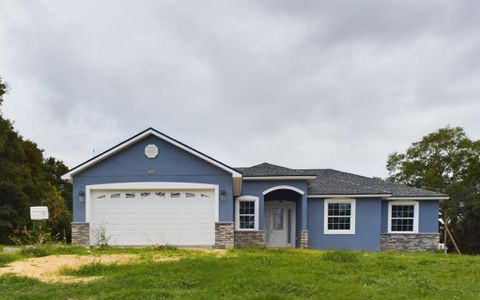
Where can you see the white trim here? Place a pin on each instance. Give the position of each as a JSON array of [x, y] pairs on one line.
[[69, 174], [416, 214], [237, 212], [417, 198], [148, 186], [352, 216], [283, 187], [351, 196], [279, 178]]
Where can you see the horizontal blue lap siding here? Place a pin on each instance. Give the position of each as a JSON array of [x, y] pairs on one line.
[[367, 226], [172, 164], [428, 217]]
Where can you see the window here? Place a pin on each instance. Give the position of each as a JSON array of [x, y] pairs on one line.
[[403, 217], [339, 216], [247, 213], [278, 218], [116, 195], [129, 195], [190, 195], [174, 195]]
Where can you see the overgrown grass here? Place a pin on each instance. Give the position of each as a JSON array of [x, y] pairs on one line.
[[265, 274], [6, 258], [92, 269], [341, 256], [59, 249]]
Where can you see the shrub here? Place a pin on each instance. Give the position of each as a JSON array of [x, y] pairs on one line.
[[37, 251], [38, 235]]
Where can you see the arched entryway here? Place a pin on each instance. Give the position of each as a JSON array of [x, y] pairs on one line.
[[282, 216]]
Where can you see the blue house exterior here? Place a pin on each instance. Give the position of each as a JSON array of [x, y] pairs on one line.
[[153, 189]]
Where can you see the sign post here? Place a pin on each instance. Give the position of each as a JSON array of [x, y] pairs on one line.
[[39, 215]]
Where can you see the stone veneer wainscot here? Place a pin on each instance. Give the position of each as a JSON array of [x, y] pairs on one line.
[[409, 241], [81, 233], [249, 238], [224, 235]]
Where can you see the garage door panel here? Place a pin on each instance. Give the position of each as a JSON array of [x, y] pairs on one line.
[[154, 217]]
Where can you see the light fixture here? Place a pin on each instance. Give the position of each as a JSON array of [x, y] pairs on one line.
[[223, 195], [81, 196]]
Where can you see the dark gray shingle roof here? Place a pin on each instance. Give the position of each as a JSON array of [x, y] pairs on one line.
[[333, 182], [266, 169], [330, 181]]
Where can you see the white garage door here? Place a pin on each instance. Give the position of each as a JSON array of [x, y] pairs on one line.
[[153, 217]]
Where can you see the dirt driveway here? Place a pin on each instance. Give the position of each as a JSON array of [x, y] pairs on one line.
[[47, 269]]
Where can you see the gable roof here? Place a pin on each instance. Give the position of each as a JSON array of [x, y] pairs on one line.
[[140, 136], [268, 170]]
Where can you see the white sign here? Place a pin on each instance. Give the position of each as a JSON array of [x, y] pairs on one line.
[[39, 213], [151, 151]]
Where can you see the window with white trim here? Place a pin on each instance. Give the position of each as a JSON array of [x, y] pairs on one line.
[[403, 217], [247, 213], [339, 216]]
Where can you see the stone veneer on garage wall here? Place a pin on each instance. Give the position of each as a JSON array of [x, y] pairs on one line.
[[249, 238], [224, 235], [81, 233], [410, 241]]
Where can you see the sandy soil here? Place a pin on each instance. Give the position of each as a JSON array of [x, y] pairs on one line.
[[47, 269]]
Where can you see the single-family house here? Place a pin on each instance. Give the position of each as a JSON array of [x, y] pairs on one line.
[[152, 189]]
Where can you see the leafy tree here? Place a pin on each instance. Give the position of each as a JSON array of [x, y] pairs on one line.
[[27, 179], [446, 161]]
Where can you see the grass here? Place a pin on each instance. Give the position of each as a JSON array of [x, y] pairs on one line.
[[92, 269], [263, 274]]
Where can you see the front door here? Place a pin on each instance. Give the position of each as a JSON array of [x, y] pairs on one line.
[[280, 224]]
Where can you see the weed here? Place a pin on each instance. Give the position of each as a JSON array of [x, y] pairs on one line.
[[338, 256], [94, 268]]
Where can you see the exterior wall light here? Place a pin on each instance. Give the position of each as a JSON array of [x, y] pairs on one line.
[[223, 195], [81, 196]]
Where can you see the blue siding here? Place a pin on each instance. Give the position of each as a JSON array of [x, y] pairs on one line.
[[172, 164], [428, 218], [367, 227]]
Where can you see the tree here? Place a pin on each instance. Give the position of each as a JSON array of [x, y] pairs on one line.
[[28, 179], [3, 90], [446, 161]]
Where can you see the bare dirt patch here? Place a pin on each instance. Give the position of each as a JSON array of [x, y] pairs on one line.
[[47, 269]]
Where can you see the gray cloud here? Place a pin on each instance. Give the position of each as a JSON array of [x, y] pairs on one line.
[[337, 84]]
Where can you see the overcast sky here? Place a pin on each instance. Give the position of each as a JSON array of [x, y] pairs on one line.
[[307, 84]]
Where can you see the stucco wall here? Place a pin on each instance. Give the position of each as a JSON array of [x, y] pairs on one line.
[[172, 164], [428, 218], [367, 226], [256, 188]]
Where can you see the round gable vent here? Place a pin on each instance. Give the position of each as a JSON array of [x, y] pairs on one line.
[[151, 151]]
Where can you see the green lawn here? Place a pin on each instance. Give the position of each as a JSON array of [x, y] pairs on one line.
[[262, 274]]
